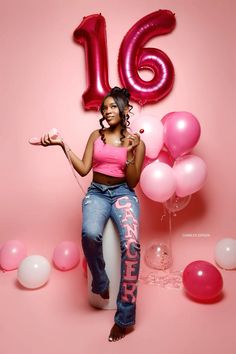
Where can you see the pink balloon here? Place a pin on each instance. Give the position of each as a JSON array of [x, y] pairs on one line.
[[66, 255], [191, 173], [165, 157], [202, 280], [12, 253], [158, 181], [181, 132], [152, 135], [134, 56]]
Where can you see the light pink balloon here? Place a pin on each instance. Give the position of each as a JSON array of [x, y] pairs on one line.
[[190, 172], [181, 132], [152, 133], [66, 255], [158, 181], [12, 253]]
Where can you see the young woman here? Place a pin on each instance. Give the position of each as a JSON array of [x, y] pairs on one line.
[[115, 155]]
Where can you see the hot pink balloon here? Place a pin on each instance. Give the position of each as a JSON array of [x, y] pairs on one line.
[[152, 135], [181, 132], [158, 181], [191, 173], [66, 255], [12, 253], [165, 157], [202, 280]]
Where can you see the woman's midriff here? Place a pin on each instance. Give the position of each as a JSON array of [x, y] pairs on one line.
[[105, 179]]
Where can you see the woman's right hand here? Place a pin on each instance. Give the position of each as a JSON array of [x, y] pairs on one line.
[[51, 139]]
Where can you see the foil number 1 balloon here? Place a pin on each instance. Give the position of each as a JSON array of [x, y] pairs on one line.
[[91, 34]]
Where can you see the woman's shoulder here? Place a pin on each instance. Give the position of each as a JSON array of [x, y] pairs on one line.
[[94, 135]]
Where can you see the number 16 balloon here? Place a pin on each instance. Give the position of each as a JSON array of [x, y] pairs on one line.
[[91, 34]]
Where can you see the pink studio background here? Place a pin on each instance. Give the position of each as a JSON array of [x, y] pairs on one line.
[[42, 81]]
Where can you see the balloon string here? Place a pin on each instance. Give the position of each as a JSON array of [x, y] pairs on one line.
[[170, 237], [170, 223], [67, 152], [164, 213], [141, 109]]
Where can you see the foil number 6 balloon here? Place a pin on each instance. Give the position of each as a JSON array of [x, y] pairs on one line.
[[133, 57], [91, 34]]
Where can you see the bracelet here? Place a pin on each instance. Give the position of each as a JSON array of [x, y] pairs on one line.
[[130, 162], [66, 147]]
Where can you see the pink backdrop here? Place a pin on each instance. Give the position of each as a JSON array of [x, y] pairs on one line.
[[42, 81]]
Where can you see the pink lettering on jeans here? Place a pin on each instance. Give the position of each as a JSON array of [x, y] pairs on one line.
[[129, 290], [129, 268], [131, 263]]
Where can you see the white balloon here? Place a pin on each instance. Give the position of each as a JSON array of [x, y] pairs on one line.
[[34, 271], [225, 253]]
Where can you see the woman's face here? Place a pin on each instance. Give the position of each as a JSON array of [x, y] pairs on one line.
[[111, 111]]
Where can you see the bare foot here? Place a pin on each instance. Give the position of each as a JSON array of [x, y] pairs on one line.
[[105, 294], [116, 333]]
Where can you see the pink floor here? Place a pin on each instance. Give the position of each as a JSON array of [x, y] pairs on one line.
[[57, 319]]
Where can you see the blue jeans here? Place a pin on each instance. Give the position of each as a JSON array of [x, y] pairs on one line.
[[119, 203]]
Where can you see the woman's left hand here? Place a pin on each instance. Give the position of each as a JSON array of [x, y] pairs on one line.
[[133, 141]]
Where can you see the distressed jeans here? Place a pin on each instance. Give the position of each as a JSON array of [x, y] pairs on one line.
[[119, 203]]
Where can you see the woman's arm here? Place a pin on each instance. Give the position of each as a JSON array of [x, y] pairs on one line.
[[134, 162], [82, 166]]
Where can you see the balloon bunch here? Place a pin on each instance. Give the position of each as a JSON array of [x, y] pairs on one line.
[[34, 271], [171, 172]]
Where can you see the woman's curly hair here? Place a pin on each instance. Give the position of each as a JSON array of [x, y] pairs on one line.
[[121, 97]]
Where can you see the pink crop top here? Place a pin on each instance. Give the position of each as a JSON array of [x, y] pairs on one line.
[[108, 159]]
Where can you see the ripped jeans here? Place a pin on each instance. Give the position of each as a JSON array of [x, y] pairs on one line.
[[119, 203]]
